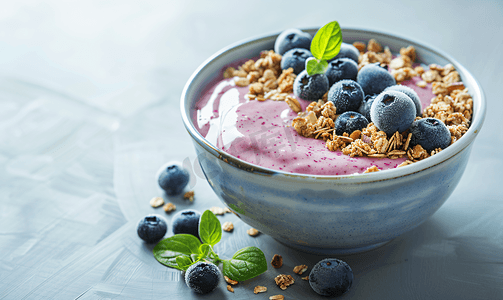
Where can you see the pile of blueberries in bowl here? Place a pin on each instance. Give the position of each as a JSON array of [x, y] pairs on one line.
[[354, 91]]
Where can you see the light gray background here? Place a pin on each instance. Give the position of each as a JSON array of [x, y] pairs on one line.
[[89, 96]]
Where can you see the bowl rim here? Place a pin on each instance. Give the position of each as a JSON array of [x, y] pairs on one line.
[[479, 108]]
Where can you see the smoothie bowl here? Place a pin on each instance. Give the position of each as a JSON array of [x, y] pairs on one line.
[[323, 204]]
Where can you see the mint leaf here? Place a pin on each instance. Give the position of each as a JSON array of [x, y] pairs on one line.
[[204, 250], [314, 66], [168, 258], [183, 262], [183, 243], [168, 249], [245, 264], [210, 230], [326, 44]]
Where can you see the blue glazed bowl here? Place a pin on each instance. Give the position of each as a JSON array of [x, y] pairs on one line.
[[331, 214]]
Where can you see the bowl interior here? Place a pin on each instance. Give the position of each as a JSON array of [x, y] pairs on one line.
[[212, 70]]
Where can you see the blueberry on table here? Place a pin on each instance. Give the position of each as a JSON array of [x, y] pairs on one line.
[[347, 51], [342, 68], [374, 79], [347, 95], [364, 108], [430, 133], [173, 178], [349, 122], [202, 277], [296, 59], [392, 111], [310, 87], [331, 277], [411, 93], [186, 221], [152, 228], [292, 38]]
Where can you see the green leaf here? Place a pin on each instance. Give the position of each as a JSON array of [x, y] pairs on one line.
[[183, 243], [168, 258], [204, 250], [168, 249], [326, 44], [245, 264], [184, 262], [314, 66], [210, 230]]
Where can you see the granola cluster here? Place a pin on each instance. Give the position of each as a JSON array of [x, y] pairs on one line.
[[265, 78], [401, 66], [283, 281], [371, 53], [453, 105]]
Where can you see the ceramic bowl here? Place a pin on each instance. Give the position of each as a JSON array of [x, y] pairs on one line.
[[331, 214]]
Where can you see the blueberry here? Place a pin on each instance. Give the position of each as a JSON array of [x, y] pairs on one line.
[[430, 133], [173, 178], [310, 87], [202, 277], [292, 38], [342, 68], [349, 122], [152, 228], [411, 93], [186, 221], [348, 51], [347, 95], [392, 111], [364, 108], [296, 59], [331, 277], [374, 79]]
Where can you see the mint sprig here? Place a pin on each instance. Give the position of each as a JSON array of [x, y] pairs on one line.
[[183, 250], [325, 45]]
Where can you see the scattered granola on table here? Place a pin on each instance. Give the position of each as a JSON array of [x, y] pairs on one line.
[[300, 269], [169, 207], [252, 232], [156, 202], [277, 261], [259, 289], [283, 281], [230, 281], [228, 226], [217, 210], [189, 195]]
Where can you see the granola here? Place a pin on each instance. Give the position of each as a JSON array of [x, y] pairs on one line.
[[252, 232], [277, 261], [169, 207], [228, 226], [259, 289], [217, 210], [189, 195], [156, 202], [230, 281], [283, 281], [300, 269]]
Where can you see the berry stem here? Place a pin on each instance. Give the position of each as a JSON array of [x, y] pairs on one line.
[[214, 256]]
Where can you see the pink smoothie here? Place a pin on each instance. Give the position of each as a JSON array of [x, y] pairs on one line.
[[261, 133]]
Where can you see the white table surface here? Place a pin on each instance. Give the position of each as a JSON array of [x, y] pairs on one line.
[[89, 96]]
